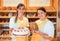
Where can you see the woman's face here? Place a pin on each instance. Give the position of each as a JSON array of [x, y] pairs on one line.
[[21, 10], [41, 14]]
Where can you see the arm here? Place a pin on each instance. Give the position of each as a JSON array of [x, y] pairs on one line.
[[48, 32], [46, 36], [11, 23]]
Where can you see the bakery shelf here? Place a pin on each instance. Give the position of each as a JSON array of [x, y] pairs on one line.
[[48, 17], [4, 23]]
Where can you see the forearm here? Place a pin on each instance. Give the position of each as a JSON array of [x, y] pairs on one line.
[[10, 31], [46, 36]]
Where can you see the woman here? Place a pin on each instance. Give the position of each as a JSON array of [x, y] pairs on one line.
[[45, 26], [19, 21]]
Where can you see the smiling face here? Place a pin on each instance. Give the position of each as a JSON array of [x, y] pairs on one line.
[[21, 11], [41, 14]]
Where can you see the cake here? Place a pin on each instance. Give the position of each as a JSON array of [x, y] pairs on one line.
[[20, 31]]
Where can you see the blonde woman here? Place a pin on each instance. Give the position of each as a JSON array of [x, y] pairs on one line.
[[19, 21]]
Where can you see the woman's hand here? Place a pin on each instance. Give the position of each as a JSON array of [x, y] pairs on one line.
[[38, 32], [44, 35], [32, 31], [11, 29]]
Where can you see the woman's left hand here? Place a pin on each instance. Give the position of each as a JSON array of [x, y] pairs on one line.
[[37, 32]]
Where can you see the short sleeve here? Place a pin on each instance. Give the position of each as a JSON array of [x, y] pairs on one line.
[[49, 29], [11, 22]]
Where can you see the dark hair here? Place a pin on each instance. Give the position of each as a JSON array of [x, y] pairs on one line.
[[42, 8], [19, 5]]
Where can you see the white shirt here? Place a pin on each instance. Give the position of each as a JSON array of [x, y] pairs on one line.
[[47, 28], [12, 23]]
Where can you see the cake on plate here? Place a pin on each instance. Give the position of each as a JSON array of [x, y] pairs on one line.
[[20, 31]]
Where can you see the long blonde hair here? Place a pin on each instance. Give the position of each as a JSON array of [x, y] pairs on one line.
[[19, 5]]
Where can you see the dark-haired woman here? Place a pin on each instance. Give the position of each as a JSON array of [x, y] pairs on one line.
[[19, 20], [45, 26]]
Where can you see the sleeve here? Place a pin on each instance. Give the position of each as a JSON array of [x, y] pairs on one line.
[[49, 29], [11, 22], [27, 22]]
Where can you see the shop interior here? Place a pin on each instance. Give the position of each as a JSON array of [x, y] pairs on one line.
[[7, 10]]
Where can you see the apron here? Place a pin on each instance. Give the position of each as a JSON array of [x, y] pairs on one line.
[[20, 38], [21, 23], [37, 37]]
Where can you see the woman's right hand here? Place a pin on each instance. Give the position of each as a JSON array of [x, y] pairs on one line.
[[11, 29], [32, 31]]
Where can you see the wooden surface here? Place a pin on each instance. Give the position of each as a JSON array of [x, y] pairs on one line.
[[58, 38], [52, 7]]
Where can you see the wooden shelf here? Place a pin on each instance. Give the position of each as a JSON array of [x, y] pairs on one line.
[[5, 36], [36, 11], [33, 17], [5, 16], [27, 17], [6, 29], [8, 22], [53, 10], [49, 9], [7, 10], [4, 23], [53, 22], [52, 16], [48, 17]]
